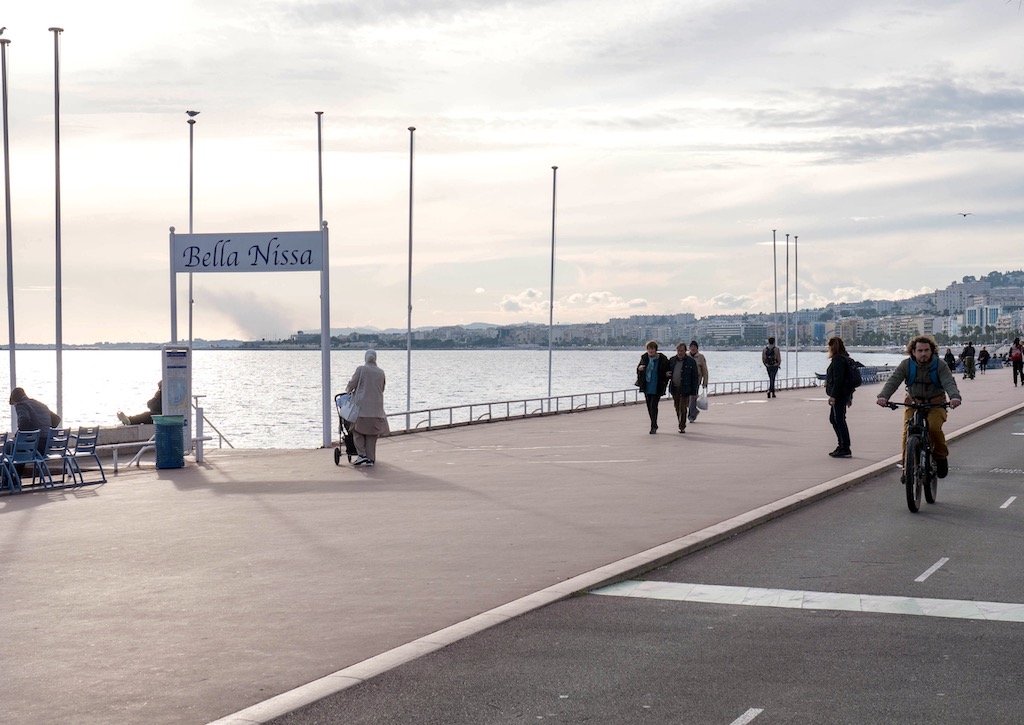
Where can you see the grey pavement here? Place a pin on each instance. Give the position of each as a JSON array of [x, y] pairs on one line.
[[243, 587]]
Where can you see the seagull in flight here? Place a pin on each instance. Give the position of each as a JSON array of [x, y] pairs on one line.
[[3, 29], [965, 214]]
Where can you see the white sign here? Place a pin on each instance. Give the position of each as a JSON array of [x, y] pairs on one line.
[[248, 252]]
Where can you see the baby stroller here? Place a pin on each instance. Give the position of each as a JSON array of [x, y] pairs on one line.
[[344, 434]]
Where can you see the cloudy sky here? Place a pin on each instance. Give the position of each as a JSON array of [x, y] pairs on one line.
[[683, 132]]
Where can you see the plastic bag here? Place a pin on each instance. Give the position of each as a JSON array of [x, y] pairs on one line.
[[347, 407], [702, 399]]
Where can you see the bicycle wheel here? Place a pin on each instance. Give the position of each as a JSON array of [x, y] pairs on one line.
[[914, 472], [931, 481]]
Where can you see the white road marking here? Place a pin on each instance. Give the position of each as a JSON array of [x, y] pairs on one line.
[[748, 716], [831, 601], [932, 569], [1008, 502], [611, 460]]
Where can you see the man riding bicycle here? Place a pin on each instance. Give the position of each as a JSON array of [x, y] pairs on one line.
[[929, 381]]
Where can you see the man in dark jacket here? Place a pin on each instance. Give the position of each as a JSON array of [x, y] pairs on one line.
[[33, 415], [155, 405], [684, 378]]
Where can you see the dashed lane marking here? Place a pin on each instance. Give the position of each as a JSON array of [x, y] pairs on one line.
[[932, 569], [830, 601], [748, 716], [1008, 502]]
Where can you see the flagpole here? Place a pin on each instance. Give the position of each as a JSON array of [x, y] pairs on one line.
[[408, 333], [775, 283], [4, 42], [58, 293], [551, 302], [796, 302], [325, 290], [787, 304]]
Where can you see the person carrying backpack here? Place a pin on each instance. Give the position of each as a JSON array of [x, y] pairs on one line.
[[771, 358], [983, 358], [967, 355], [928, 380], [839, 387], [1017, 361]]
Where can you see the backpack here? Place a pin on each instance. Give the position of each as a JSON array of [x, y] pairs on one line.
[[1015, 354], [768, 357], [853, 372], [933, 371]]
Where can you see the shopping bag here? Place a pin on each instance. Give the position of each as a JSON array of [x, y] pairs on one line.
[[347, 407], [702, 399]]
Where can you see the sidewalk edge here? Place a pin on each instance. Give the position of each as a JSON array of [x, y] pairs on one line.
[[616, 571]]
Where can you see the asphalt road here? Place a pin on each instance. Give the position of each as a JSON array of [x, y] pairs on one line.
[[654, 659]]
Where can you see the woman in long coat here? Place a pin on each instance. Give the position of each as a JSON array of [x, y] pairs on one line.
[[840, 394], [367, 388]]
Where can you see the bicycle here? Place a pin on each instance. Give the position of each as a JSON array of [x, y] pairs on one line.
[[919, 472]]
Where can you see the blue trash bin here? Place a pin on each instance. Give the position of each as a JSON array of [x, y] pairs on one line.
[[170, 441]]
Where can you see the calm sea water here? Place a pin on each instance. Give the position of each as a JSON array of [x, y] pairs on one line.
[[271, 398]]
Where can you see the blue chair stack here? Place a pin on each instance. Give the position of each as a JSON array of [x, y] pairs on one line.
[[85, 447]]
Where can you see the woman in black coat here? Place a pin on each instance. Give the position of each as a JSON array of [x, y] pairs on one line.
[[840, 394], [652, 379]]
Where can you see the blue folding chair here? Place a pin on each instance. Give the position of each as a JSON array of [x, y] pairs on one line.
[[8, 476], [56, 450], [25, 451], [85, 446]]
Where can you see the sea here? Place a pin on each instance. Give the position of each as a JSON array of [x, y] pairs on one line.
[[272, 398]]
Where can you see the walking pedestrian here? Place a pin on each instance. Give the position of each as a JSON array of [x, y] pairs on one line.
[[367, 388], [683, 378], [702, 372], [1017, 361], [967, 356], [840, 395], [652, 379], [983, 358], [771, 358]]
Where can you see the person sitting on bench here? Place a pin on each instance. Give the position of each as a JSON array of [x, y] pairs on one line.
[[155, 406]]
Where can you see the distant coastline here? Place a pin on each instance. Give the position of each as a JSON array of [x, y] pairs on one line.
[[292, 347]]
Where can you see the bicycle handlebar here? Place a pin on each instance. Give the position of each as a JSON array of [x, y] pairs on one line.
[[918, 406]]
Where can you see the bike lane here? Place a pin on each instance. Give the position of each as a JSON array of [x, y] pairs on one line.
[[850, 610]]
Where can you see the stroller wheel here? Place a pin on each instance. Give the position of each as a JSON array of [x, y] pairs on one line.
[[337, 456]]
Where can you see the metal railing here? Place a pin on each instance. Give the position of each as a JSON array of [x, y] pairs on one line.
[[473, 413]]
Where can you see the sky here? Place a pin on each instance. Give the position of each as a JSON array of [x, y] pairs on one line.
[[684, 133]]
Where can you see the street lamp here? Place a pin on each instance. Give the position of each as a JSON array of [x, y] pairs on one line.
[[191, 127]]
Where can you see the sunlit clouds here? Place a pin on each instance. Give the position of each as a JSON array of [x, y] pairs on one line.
[[684, 133]]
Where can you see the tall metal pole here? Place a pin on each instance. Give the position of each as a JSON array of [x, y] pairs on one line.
[[191, 127], [325, 291], [408, 334], [10, 239], [58, 294], [787, 304], [796, 303], [551, 302], [775, 283]]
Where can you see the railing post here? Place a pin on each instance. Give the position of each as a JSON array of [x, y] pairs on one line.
[[199, 434]]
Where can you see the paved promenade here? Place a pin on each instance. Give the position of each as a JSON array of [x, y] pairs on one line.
[[188, 595]]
